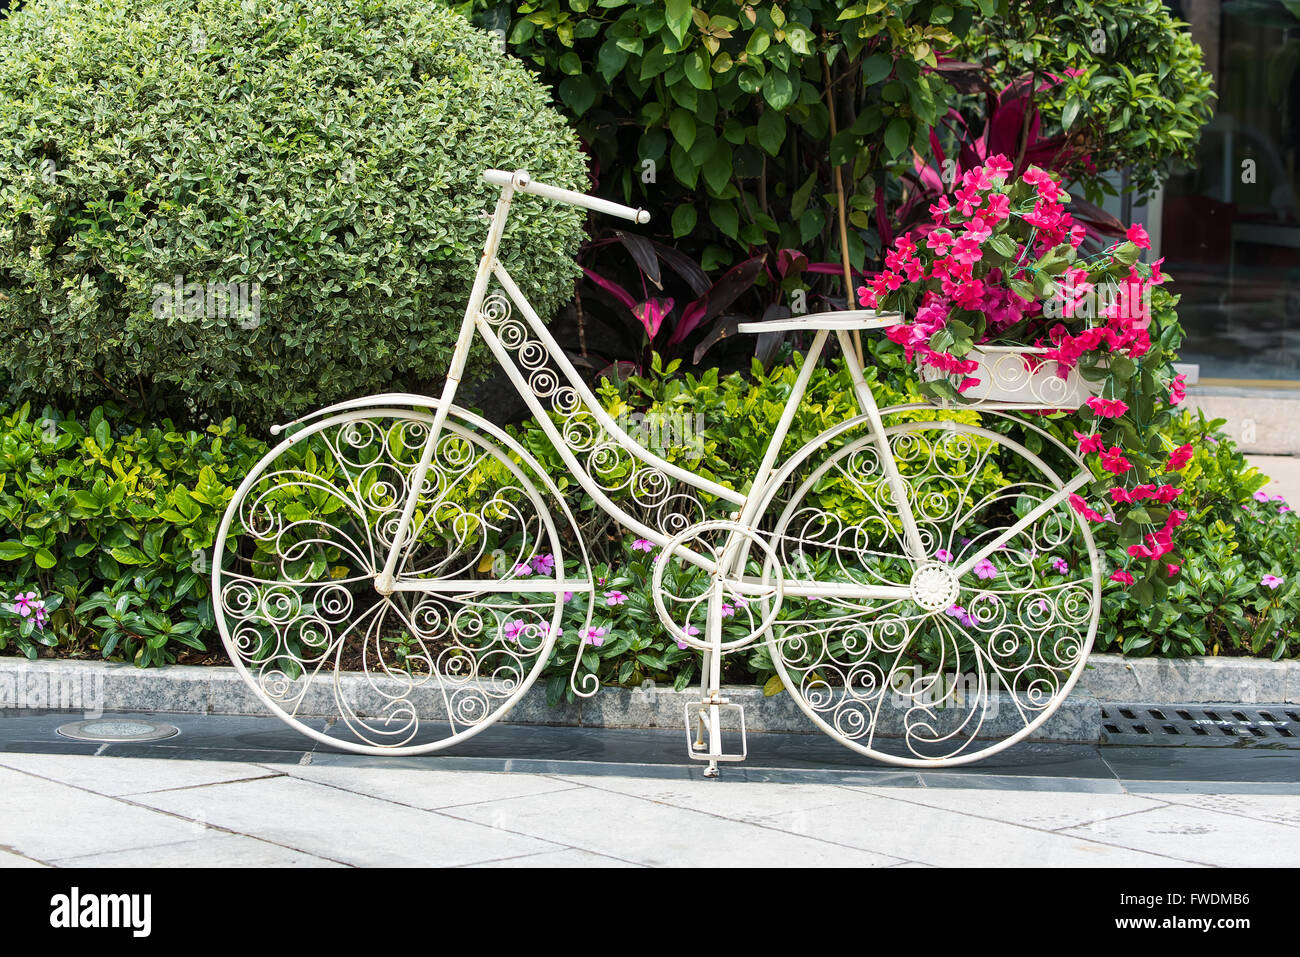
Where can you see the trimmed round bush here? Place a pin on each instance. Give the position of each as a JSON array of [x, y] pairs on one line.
[[259, 206]]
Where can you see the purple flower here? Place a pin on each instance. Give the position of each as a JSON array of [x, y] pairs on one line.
[[689, 630], [1277, 498], [943, 555], [728, 610], [1261, 496], [1271, 581], [514, 628], [742, 603], [643, 545], [543, 564], [568, 597], [985, 569], [958, 612], [1061, 565], [595, 636], [613, 598], [522, 570]]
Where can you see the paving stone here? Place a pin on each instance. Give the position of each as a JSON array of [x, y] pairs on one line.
[[45, 820], [117, 776], [903, 829], [341, 826], [1046, 810], [566, 858], [1205, 837], [647, 832], [1275, 808], [735, 800], [213, 850], [430, 789]]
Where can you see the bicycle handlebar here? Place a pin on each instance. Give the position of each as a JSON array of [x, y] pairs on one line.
[[524, 183]]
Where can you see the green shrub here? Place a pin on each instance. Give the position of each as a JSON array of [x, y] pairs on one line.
[[116, 522], [321, 158], [112, 525], [729, 103]]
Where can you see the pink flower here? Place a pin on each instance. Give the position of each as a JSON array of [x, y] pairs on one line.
[[958, 612], [1177, 389], [1137, 235], [1271, 581], [24, 604], [514, 628], [1112, 460], [643, 545], [943, 555], [543, 564], [523, 570], [1178, 458], [1106, 408], [1260, 496], [568, 596], [985, 569], [1121, 576], [1174, 569], [1061, 565], [1089, 443], [613, 598], [691, 631], [594, 636], [998, 166], [1079, 505]]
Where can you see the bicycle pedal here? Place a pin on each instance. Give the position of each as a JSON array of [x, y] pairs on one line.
[[704, 741]]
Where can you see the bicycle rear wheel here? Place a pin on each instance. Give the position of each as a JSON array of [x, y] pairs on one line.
[[966, 658]]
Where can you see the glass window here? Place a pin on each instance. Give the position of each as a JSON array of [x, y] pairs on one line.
[[1231, 227]]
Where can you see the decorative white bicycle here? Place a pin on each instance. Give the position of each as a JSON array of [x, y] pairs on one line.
[[923, 588]]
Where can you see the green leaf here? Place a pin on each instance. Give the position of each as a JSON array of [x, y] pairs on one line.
[[771, 131], [697, 70], [682, 125], [778, 89], [897, 136], [11, 550], [684, 217], [45, 558]]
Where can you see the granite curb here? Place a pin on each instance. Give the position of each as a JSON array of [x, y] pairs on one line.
[[95, 685]]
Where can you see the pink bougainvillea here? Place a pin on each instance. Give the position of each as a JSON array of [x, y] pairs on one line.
[[1002, 261]]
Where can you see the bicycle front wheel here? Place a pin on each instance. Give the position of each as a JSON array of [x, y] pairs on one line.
[[965, 649], [480, 585]]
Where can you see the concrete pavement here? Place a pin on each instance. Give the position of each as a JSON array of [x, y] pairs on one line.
[[85, 810]]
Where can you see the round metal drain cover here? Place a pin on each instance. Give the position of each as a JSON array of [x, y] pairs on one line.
[[118, 729]]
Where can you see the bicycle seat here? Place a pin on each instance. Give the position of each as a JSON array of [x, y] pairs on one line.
[[841, 321]]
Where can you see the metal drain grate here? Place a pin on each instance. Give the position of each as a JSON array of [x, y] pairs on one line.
[[1201, 725]]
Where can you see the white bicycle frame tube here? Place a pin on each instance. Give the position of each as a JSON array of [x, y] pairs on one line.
[[489, 267]]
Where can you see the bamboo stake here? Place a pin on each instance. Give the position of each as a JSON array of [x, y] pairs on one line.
[[843, 217]]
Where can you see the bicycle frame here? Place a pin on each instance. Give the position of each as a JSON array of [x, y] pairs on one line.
[[748, 505]]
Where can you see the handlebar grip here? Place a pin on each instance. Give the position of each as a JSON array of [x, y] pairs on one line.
[[525, 184]]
